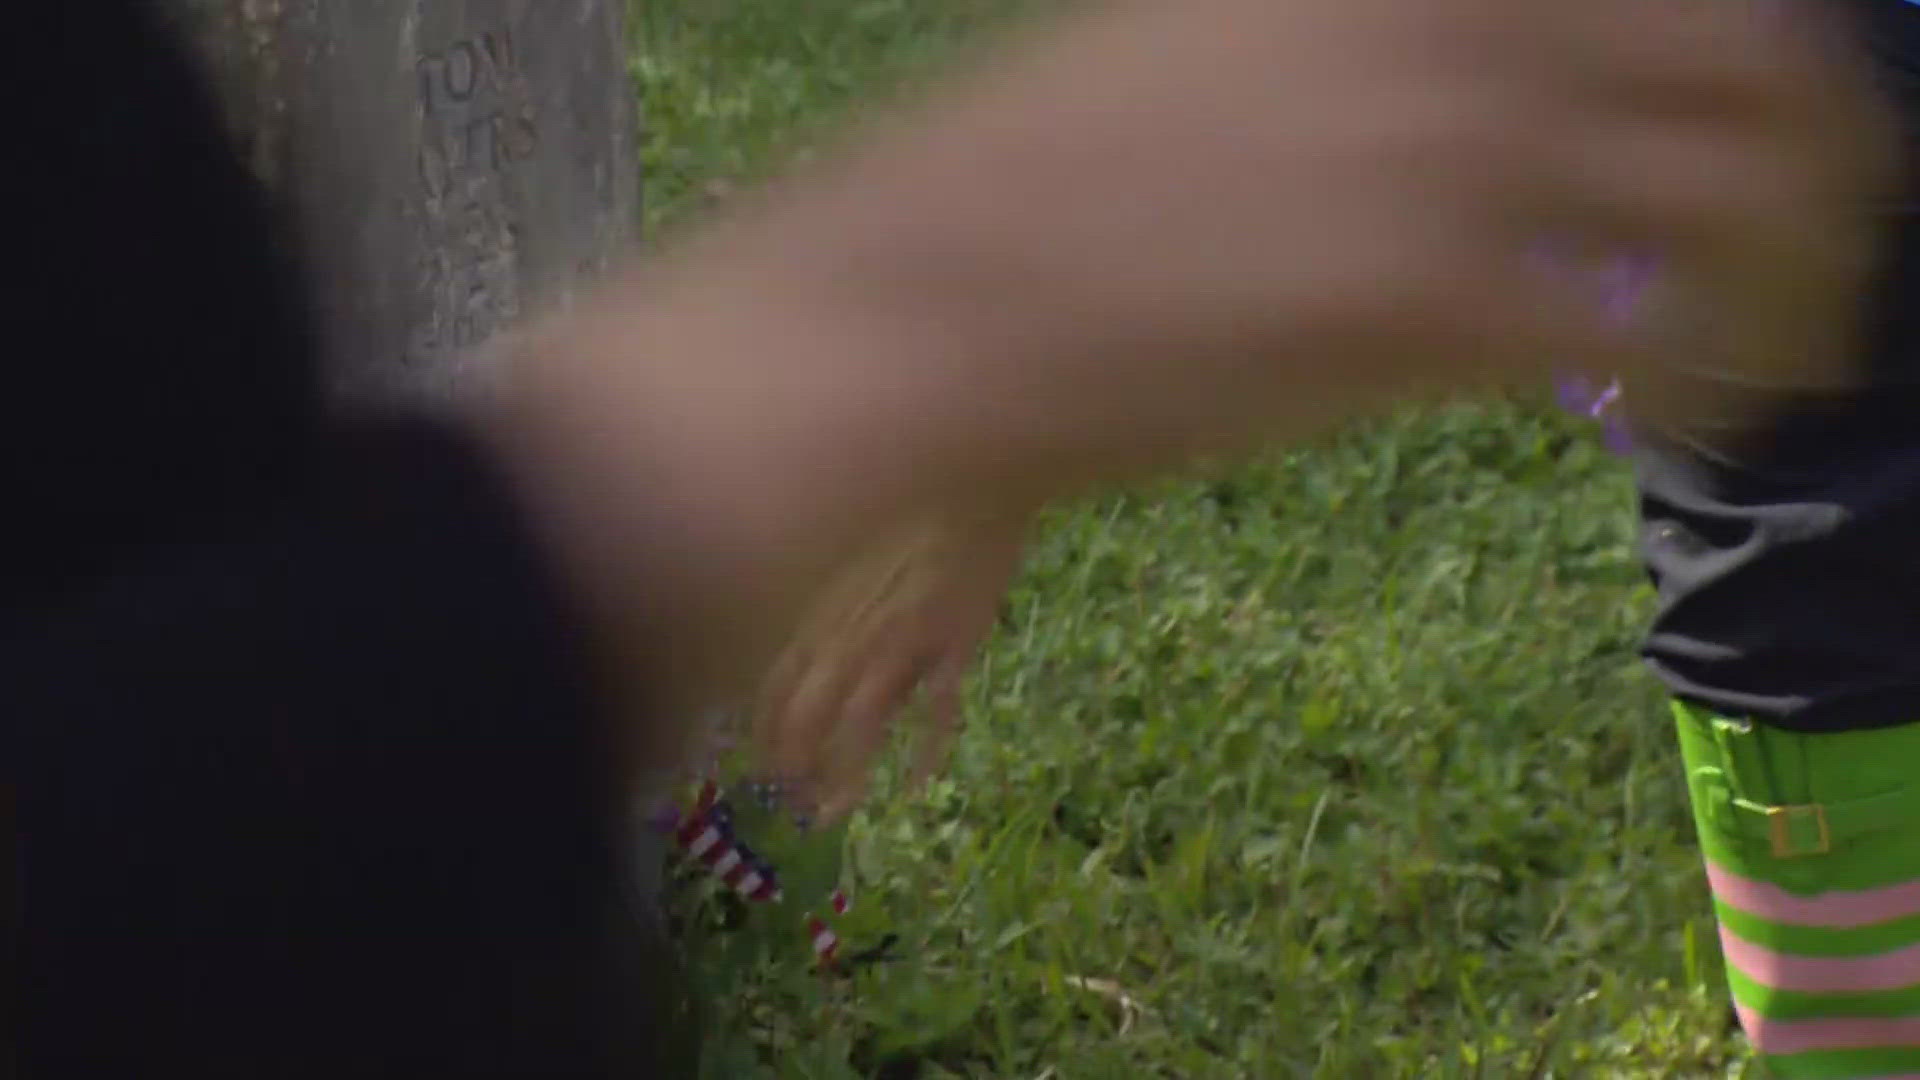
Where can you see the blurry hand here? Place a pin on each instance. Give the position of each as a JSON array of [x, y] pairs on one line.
[[1168, 227], [1298, 206], [906, 621]]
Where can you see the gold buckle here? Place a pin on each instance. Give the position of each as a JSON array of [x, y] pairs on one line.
[[1778, 818]]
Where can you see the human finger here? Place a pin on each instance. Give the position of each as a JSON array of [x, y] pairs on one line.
[[942, 716]]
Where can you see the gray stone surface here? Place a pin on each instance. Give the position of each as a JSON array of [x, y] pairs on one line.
[[450, 164]]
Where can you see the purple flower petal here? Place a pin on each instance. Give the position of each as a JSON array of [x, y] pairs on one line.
[[1575, 394], [1615, 434]]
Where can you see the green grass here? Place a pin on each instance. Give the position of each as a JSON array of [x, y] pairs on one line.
[[1337, 764]]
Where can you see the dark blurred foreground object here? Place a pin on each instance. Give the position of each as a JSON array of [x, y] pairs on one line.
[[307, 779]]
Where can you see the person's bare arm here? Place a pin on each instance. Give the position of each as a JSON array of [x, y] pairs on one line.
[[1173, 228]]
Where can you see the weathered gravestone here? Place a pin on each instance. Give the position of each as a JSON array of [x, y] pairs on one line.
[[449, 164]]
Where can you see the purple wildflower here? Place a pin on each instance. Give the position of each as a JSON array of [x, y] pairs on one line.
[[1622, 286]]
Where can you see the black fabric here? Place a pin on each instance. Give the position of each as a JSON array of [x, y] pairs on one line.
[[1789, 575], [306, 776], [160, 376]]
